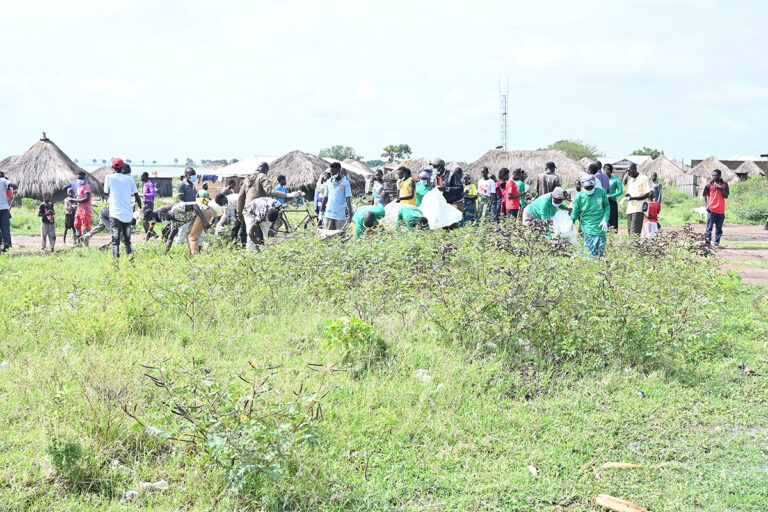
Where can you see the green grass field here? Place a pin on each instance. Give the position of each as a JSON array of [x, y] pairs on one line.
[[470, 357]]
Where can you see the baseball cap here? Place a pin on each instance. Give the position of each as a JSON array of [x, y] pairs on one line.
[[117, 163], [438, 162], [550, 164], [557, 193]]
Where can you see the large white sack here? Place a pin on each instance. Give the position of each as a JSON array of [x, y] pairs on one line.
[[437, 210], [390, 214], [562, 226]]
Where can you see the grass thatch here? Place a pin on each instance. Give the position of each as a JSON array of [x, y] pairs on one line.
[[302, 172], [531, 161], [359, 167], [101, 173], [452, 166], [414, 164], [664, 168], [749, 168], [7, 162], [46, 168], [585, 162], [705, 168]]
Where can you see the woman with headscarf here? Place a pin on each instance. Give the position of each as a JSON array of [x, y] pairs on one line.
[[591, 209], [424, 185]]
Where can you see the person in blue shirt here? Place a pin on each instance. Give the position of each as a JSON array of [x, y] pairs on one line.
[[337, 200], [281, 187]]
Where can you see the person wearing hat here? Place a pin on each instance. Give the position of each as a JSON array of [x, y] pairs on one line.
[[337, 200], [486, 189], [638, 191], [548, 180], [424, 185], [614, 196], [406, 187], [544, 207], [590, 208], [5, 213], [255, 186], [449, 183], [120, 188]]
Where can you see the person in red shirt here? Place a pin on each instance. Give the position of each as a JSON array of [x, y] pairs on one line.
[[715, 193], [499, 204], [84, 206], [512, 195], [651, 220]]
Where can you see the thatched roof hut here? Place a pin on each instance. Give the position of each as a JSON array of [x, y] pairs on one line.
[[705, 168], [359, 167], [302, 172], [46, 168], [585, 162], [414, 164], [452, 166], [7, 162], [749, 169], [531, 161], [101, 173], [664, 168]]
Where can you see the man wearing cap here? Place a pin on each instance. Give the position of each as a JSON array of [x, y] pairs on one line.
[[638, 191], [337, 201], [255, 186], [544, 207], [449, 183], [486, 188], [590, 208], [120, 188], [614, 196], [548, 180], [84, 206]]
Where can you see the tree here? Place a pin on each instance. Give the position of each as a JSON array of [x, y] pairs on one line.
[[94, 161], [234, 161], [104, 161], [575, 149], [374, 163], [339, 153], [142, 163], [154, 162], [176, 161], [190, 162], [129, 161], [645, 150], [398, 151], [77, 161]]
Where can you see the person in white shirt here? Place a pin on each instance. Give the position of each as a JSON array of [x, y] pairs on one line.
[[486, 188], [120, 188]]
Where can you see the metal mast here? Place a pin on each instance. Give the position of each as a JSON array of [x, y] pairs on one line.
[[503, 124]]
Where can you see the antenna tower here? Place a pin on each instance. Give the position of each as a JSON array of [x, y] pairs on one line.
[[503, 102]]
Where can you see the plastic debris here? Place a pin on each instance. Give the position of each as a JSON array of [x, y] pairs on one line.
[[129, 496], [617, 504], [160, 485], [423, 375], [533, 470]]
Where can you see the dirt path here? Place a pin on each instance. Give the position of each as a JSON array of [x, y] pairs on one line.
[[732, 253]]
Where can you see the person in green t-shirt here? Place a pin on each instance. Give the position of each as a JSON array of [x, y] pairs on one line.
[[424, 184], [545, 207], [522, 188], [590, 208], [366, 218], [614, 196], [203, 192], [410, 217]]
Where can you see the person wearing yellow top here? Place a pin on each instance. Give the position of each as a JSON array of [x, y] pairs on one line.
[[406, 187], [638, 191]]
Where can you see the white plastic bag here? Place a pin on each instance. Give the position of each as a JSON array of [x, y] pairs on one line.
[[390, 214], [437, 210], [562, 227]]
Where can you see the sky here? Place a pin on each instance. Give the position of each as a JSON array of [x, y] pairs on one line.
[[157, 80]]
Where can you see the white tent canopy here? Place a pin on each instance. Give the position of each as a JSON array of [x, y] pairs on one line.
[[244, 167]]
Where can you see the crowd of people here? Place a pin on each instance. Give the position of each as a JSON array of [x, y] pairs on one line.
[[250, 214]]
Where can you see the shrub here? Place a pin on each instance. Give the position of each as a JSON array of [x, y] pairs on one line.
[[76, 466], [361, 346], [747, 201]]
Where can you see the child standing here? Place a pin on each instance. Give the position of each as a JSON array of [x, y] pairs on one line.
[[48, 226], [70, 208], [651, 220]]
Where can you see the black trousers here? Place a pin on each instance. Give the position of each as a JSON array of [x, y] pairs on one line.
[[635, 223], [613, 220], [120, 231], [238, 232]]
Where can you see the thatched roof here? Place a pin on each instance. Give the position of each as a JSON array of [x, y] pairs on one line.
[[7, 162], [46, 168], [360, 167], [101, 173], [414, 164], [705, 168], [453, 165], [391, 165], [750, 168], [302, 172], [531, 161], [664, 168], [585, 162]]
